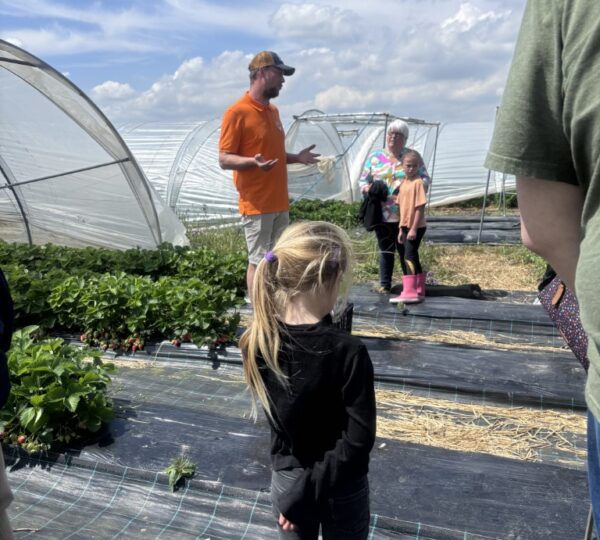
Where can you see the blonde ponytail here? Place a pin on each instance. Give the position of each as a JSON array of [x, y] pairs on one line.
[[309, 257]]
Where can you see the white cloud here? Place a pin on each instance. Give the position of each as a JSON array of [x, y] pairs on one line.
[[343, 97], [477, 29], [100, 27], [474, 89], [197, 89], [14, 41], [432, 59], [61, 41], [112, 90], [468, 17], [315, 21]]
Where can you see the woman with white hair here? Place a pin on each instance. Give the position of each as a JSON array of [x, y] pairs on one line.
[[386, 165]]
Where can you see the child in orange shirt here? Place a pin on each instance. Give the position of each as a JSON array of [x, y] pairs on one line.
[[412, 198]]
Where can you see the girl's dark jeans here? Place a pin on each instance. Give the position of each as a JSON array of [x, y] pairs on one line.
[[345, 515]]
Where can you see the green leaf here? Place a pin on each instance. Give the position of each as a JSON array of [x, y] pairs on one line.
[[72, 401], [94, 424], [174, 477], [27, 415], [38, 400], [179, 468], [40, 419]]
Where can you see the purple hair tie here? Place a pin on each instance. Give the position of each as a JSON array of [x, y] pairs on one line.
[[270, 256]]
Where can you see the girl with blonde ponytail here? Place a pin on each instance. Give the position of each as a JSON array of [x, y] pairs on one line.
[[315, 383]]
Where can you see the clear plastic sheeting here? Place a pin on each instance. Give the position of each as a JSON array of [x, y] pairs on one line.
[[459, 171], [181, 161], [344, 142], [453, 153], [66, 176]]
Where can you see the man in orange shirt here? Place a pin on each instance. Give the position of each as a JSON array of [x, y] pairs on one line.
[[252, 144]]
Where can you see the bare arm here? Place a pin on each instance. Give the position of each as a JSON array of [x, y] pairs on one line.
[[412, 233], [229, 161], [305, 156], [551, 223]]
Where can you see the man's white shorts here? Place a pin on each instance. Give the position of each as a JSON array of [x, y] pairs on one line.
[[262, 231]]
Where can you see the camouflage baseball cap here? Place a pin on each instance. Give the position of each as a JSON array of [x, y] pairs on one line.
[[269, 58]]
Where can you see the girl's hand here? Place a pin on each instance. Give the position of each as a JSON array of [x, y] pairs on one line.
[[285, 523], [412, 234]]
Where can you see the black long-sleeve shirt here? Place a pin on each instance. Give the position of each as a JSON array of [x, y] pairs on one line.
[[325, 418]]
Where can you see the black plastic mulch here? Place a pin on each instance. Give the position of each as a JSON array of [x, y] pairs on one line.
[[465, 230], [169, 410], [185, 401], [501, 321]]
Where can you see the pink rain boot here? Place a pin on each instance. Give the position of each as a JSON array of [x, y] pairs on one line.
[[409, 291], [421, 286]]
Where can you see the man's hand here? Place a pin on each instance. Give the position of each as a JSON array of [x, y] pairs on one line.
[[412, 234], [264, 164], [306, 157], [401, 237], [286, 524]]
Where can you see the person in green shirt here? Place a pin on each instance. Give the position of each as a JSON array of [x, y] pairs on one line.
[[548, 135]]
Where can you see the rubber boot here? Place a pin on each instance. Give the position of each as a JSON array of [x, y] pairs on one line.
[[409, 291], [421, 286]]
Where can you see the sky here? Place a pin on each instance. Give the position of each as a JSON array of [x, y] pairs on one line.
[[186, 60]]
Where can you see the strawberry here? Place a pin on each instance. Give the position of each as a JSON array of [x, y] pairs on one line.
[[176, 342], [21, 439]]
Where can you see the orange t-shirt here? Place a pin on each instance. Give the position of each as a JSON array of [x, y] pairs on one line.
[[250, 128], [411, 195]]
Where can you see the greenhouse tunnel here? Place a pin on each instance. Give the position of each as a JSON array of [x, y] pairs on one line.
[[66, 175], [181, 161]]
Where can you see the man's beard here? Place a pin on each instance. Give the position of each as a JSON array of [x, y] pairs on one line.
[[271, 93]]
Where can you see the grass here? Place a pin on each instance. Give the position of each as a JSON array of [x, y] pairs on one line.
[[508, 267], [221, 240]]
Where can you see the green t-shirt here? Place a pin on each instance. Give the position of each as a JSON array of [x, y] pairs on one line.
[[548, 127]]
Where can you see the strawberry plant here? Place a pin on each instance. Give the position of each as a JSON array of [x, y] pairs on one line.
[[59, 392], [30, 290], [166, 260], [175, 293], [192, 310], [119, 304], [225, 270], [113, 310], [179, 469], [338, 212]]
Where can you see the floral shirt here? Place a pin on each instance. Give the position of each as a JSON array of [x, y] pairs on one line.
[[381, 165]]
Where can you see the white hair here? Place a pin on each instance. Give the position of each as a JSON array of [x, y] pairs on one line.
[[398, 126]]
